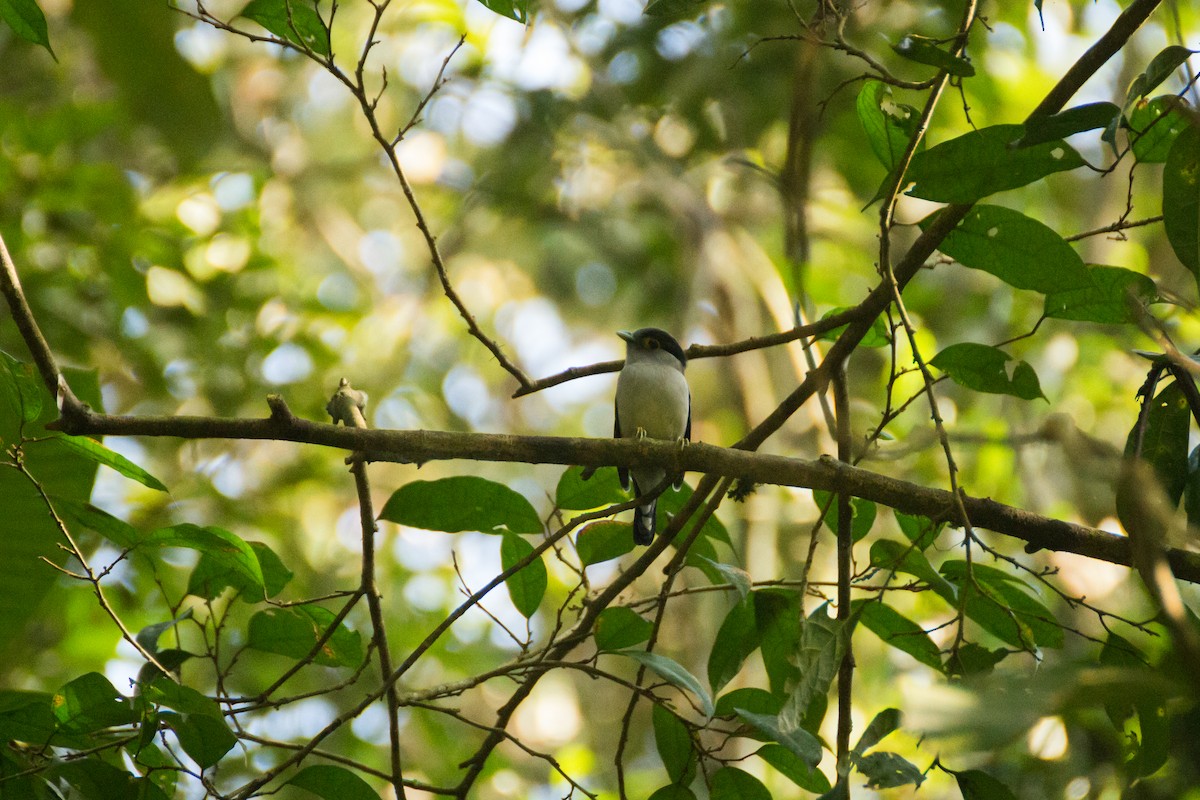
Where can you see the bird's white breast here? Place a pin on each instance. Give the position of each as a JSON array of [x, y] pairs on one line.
[[653, 395]]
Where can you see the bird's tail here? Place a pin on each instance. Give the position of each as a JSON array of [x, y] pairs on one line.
[[643, 522]]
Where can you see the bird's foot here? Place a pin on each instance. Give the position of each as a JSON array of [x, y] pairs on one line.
[[640, 433]]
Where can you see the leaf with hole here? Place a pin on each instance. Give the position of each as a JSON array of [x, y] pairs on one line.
[[924, 50], [889, 125], [296, 21]]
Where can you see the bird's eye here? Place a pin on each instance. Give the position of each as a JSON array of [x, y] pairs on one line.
[[651, 344]]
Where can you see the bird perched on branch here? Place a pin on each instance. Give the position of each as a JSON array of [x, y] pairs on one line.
[[653, 400]]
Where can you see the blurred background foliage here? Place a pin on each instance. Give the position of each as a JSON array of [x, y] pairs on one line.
[[206, 220]]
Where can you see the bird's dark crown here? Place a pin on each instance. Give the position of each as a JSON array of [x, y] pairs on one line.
[[655, 338]]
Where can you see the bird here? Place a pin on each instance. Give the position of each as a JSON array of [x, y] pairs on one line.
[[653, 401]]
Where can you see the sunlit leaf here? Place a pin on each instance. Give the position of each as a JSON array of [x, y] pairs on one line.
[[1082, 118], [91, 449], [461, 503], [296, 21], [331, 782], [210, 577], [985, 369], [526, 586], [921, 531], [1158, 70], [983, 162], [1153, 127], [889, 126], [293, 632], [90, 703], [884, 723], [603, 541], [27, 21], [225, 548], [887, 770], [576, 494], [900, 632]]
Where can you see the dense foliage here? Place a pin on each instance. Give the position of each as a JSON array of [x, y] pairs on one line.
[[972, 230]]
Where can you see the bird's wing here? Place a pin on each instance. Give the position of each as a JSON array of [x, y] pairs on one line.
[[622, 472], [687, 432]]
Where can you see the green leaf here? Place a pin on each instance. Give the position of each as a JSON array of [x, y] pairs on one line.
[[793, 768], [94, 451], [823, 644], [1181, 198], [731, 783], [674, 744], [116, 530], [887, 770], [921, 531], [332, 782], [672, 8], [1116, 295], [148, 636], [526, 586], [974, 659], [798, 741], [1154, 125], [900, 632], [736, 639], [176, 696], [27, 21], [1158, 70], [862, 513], [205, 738], [90, 703], [671, 502], [673, 792], [227, 549], [94, 779], [877, 336], [293, 632], [462, 503], [889, 126], [884, 723], [840, 790], [978, 785], [1164, 443], [513, 9], [619, 627], [1018, 250], [777, 615], [984, 369], [21, 386], [27, 717], [603, 541], [1001, 605], [210, 577], [749, 698], [1041, 129], [924, 50], [674, 673], [983, 162], [736, 576], [902, 557], [576, 494], [297, 21]]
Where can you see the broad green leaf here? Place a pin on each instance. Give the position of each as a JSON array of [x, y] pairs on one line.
[[674, 744], [900, 632], [1158, 70], [1181, 198], [674, 673], [513, 9], [148, 636], [889, 126], [1003, 608], [1148, 751], [184, 699], [21, 387], [91, 449], [27, 717], [1153, 127], [877, 336], [94, 779], [206, 739], [823, 644], [671, 502], [974, 659], [210, 577], [736, 639], [884, 723], [983, 162], [27, 21], [903, 557], [924, 50], [798, 741], [777, 615], [793, 768], [921, 531], [985, 369], [736, 576], [1191, 488], [978, 785], [749, 698], [90, 703], [602, 489], [603, 541], [887, 770], [1066, 123], [862, 513], [1116, 295], [462, 503], [331, 782], [297, 21], [526, 586], [673, 792], [1165, 440], [227, 549], [293, 632], [116, 530], [731, 783], [1018, 250], [619, 627]]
